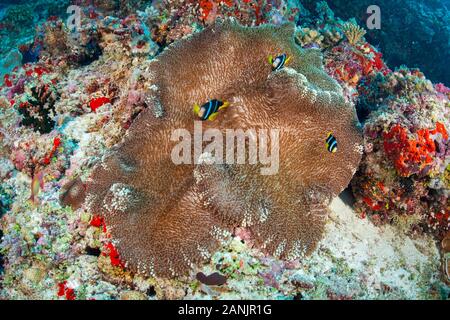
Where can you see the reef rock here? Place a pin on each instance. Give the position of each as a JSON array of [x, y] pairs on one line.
[[165, 217]]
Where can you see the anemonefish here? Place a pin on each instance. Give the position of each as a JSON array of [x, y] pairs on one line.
[[210, 110], [331, 143], [279, 61]]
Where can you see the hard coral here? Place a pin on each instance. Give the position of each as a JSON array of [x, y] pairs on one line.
[[38, 110], [170, 20], [353, 32], [61, 47], [309, 37], [165, 217], [403, 177]]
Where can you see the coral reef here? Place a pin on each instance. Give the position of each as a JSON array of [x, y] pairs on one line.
[[402, 177], [37, 110], [308, 37], [408, 30], [66, 105], [145, 193], [18, 21], [172, 19]]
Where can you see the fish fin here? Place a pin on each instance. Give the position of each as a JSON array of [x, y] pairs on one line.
[[287, 60], [34, 200], [213, 116], [196, 109], [270, 59], [225, 105]]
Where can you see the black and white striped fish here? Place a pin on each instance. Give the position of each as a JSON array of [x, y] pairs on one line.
[[331, 143], [279, 61], [210, 110]]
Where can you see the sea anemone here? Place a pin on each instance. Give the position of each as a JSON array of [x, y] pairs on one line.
[[164, 217]]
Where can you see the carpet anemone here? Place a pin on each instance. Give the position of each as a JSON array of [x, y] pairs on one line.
[[166, 217]]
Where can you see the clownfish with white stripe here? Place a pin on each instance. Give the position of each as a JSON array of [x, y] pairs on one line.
[[210, 110], [279, 62], [331, 143]]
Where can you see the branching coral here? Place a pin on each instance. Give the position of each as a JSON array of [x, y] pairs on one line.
[[167, 217], [353, 32], [37, 111], [307, 36]]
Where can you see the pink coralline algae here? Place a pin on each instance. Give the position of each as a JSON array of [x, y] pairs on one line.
[[441, 88]]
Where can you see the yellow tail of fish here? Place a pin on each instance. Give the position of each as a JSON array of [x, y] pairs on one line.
[[287, 60], [213, 116], [225, 105], [270, 59], [196, 109]]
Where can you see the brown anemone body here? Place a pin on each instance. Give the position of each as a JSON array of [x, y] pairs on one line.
[[167, 217]]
